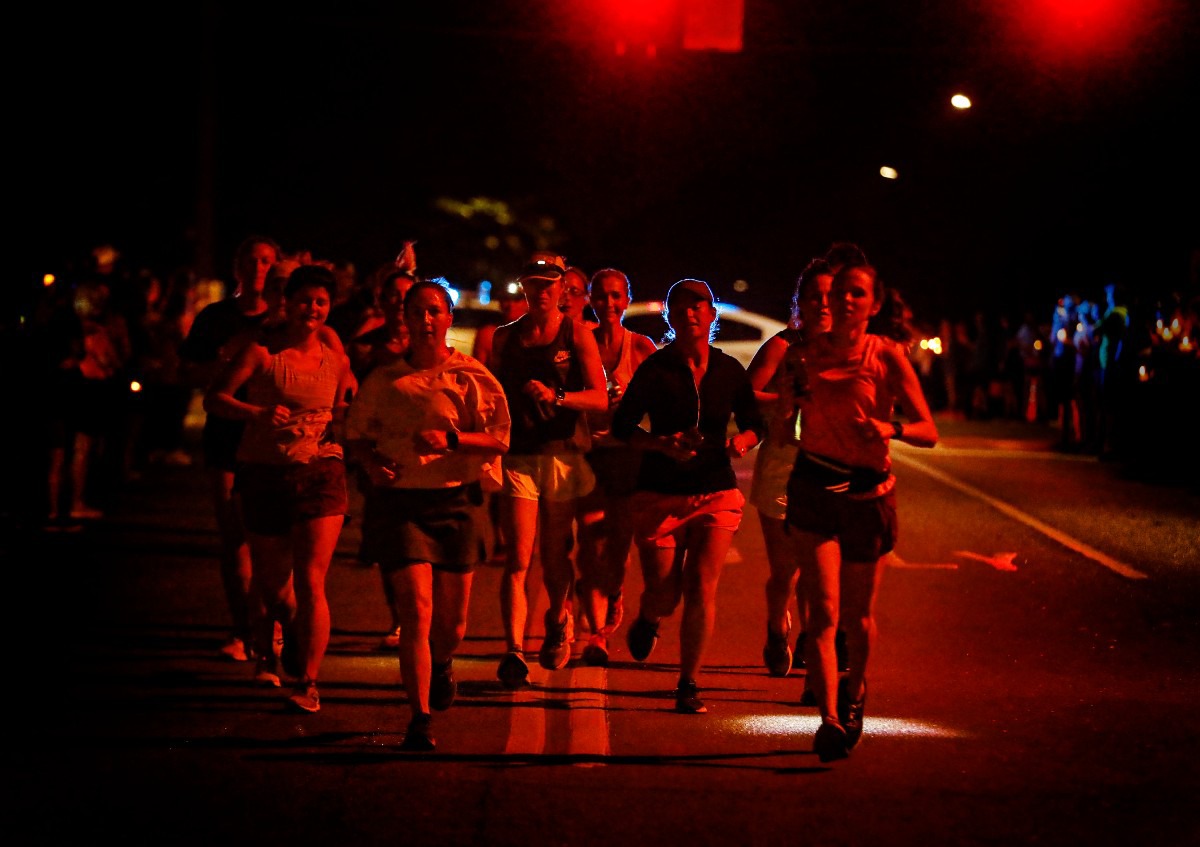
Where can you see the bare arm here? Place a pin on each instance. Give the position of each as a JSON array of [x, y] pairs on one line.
[[920, 430], [220, 399], [763, 366]]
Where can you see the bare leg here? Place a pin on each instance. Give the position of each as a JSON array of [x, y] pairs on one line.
[[452, 596], [662, 578], [822, 589], [313, 543], [782, 558], [860, 587], [522, 528], [555, 525], [414, 587], [235, 552], [708, 547]]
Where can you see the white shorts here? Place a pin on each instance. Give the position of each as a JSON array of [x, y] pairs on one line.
[[553, 476], [772, 467]]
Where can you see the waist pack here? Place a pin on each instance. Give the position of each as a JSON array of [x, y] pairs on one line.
[[834, 476]]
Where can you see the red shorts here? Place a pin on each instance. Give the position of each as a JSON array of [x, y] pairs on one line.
[[661, 520]]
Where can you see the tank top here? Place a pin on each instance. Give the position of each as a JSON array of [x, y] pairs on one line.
[[845, 392], [542, 427], [622, 372], [307, 434]]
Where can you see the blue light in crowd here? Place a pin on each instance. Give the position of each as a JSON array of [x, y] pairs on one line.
[[485, 293]]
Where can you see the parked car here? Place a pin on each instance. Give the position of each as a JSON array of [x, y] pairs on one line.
[[740, 332]]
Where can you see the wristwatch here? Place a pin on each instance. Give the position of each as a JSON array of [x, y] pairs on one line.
[[451, 440], [560, 394], [897, 430]]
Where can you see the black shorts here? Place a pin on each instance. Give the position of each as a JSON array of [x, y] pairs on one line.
[[866, 529], [277, 497], [404, 526]]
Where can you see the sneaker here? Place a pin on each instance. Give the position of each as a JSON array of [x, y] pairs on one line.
[[305, 697], [798, 661], [235, 649], [266, 671], [777, 653], [513, 671], [641, 638], [687, 698], [418, 738], [830, 742], [391, 641], [843, 654], [851, 713], [596, 651], [442, 687], [556, 645], [616, 612]]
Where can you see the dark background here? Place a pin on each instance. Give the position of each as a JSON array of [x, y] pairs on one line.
[[175, 132]]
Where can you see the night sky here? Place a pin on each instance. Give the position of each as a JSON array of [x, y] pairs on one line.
[[338, 132]]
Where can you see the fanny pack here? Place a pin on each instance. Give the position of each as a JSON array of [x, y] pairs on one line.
[[834, 476]]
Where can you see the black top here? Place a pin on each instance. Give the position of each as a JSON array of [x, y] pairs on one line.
[[662, 387], [541, 427]]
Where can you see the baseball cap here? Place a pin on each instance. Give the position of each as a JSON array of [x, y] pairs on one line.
[[546, 266], [696, 287]]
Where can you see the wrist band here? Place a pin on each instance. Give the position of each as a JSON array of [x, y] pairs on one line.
[[897, 429], [451, 440], [559, 395]]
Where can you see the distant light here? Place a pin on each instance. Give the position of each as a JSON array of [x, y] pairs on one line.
[[48, 280], [135, 386], [1185, 344], [1037, 345], [740, 286], [1143, 374], [960, 101], [933, 345], [455, 295], [888, 173], [513, 288], [1061, 335]]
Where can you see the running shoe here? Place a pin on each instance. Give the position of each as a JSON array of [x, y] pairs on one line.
[[305, 697], [513, 671], [266, 671], [851, 713], [596, 651], [830, 742], [777, 652], [391, 640], [418, 738], [687, 698], [442, 686], [556, 646], [641, 638], [235, 649]]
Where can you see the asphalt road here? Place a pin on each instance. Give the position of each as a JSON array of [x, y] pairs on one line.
[[1035, 682]]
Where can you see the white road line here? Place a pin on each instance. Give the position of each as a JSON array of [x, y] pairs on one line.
[[1027, 519], [527, 730], [589, 714]]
